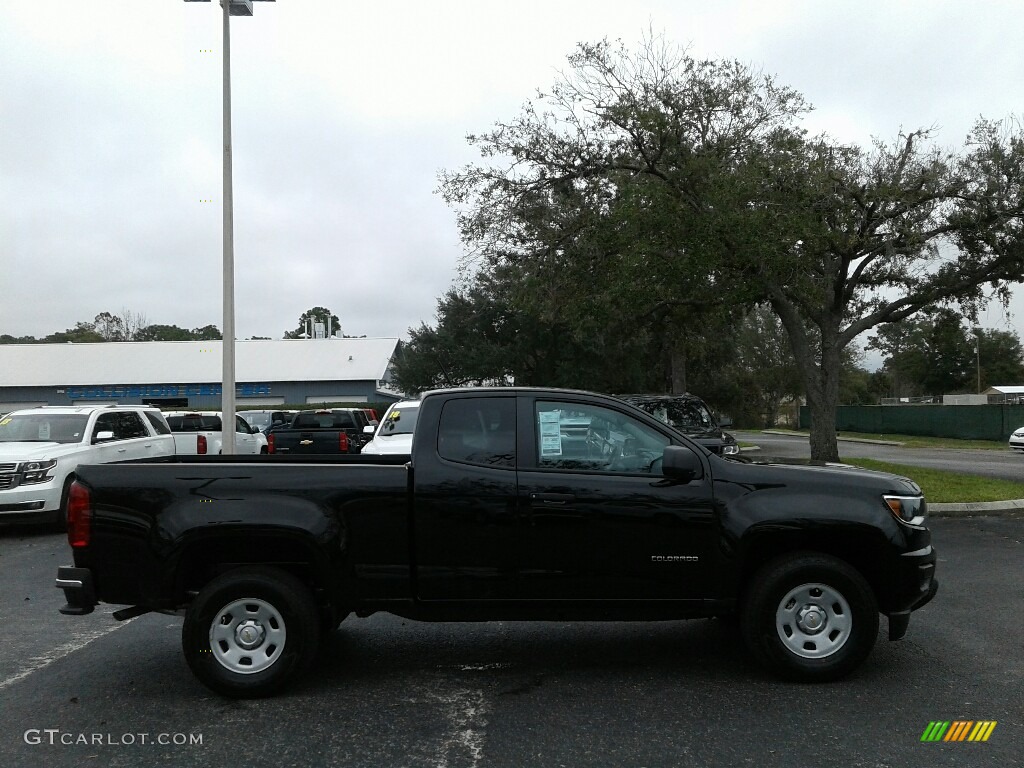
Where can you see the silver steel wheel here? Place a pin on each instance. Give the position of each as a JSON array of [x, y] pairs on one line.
[[814, 620], [247, 636]]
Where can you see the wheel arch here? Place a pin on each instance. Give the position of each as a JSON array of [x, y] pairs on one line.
[[294, 552], [857, 546]]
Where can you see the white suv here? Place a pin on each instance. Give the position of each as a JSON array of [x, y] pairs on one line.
[[394, 433], [40, 448]]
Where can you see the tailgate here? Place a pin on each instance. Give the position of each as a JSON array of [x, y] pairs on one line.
[[308, 441]]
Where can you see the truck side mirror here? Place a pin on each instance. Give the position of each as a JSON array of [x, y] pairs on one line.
[[681, 463]]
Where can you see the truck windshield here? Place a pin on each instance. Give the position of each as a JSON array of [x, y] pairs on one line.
[[194, 422], [43, 428], [684, 415], [323, 420], [259, 420]]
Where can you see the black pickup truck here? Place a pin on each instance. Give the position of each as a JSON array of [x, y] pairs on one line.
[[327, 431], [501, 513]]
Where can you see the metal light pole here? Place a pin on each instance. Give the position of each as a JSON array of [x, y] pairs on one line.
[[227, 403]]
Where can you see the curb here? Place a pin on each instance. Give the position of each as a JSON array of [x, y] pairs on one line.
[[963, 509], [786, 433]]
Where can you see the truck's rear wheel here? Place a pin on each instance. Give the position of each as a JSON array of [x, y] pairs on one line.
[[249, 631], [810, 617]]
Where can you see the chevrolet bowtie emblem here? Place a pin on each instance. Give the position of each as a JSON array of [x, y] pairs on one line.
[[305, 442]]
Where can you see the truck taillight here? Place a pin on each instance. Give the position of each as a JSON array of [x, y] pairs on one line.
[[270, 443], [201, 444], [79, 516], [343, 442]]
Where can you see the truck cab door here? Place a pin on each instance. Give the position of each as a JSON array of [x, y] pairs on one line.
[[245, 441], [597, 519]]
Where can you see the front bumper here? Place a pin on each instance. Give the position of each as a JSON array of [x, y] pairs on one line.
[[918, 587], [27, 501], [79, 590]]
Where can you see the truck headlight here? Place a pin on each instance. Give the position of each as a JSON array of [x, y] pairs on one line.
[[907, 509], [36, 471]]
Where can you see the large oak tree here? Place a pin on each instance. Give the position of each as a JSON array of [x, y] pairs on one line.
[[654, 185]]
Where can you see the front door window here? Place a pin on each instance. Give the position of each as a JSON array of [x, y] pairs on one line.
[[588, 437]]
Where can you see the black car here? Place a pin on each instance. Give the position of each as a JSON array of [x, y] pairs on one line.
[[691, 416]]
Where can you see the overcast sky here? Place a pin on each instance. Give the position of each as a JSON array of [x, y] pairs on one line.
[[345, 112]]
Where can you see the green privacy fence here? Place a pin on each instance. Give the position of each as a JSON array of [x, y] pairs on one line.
[[967, 422]]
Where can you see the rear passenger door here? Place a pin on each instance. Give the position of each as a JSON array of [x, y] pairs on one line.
[[465, 522]]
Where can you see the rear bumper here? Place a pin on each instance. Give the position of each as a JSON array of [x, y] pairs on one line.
[[79, 590]]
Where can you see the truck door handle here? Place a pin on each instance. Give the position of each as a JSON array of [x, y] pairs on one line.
[[122, 450], [552, 499]]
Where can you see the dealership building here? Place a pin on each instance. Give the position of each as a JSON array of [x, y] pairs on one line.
[[188, 374]]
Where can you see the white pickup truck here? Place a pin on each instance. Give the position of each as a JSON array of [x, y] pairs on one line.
[[40, 448], [200, 432]]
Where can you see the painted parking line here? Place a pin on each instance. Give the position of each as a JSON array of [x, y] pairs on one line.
[[77, 642]]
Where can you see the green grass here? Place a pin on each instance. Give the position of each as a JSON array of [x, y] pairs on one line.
[[949, 487]]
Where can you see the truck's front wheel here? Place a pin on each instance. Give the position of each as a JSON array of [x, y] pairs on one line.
[[810, 617], [249, 631]]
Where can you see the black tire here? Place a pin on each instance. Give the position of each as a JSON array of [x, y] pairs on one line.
[[269, 608], [809, 617]]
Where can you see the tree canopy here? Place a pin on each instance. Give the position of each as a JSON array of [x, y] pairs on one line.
[[315, 315], [936, 353], [644, 189], [126, 326]]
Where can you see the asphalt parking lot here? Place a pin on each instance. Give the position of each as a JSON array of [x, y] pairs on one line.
[[391, 692]]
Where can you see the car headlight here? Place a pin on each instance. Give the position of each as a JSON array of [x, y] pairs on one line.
[[36, 471], [730, 448], [907, 509]]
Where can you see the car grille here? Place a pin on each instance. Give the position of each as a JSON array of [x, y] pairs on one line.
[[8, 468], [7, 481]]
